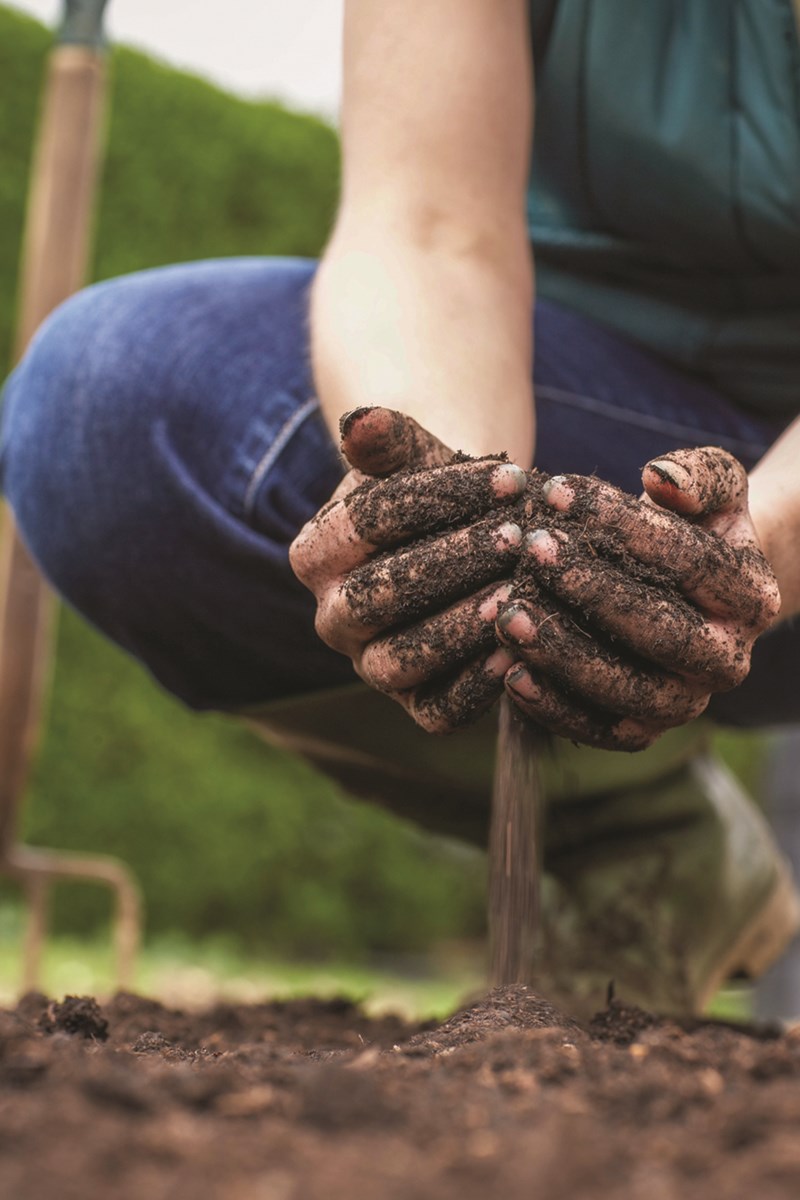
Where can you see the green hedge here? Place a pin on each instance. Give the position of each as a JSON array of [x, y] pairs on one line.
[[224, 833]]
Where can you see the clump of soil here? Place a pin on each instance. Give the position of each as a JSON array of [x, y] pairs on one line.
[[76, 1014], [312, 1100]]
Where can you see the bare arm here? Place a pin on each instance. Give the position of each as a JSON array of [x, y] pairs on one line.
[[423, 304], [775, 509], [423, 300]]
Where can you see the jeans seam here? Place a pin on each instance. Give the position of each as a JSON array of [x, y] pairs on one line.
[[271, 455], [644, 420]]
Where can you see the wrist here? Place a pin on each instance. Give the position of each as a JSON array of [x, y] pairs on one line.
[[444, 337], [777, 526]]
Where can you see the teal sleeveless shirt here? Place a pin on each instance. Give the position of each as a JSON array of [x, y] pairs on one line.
[[665, 184]]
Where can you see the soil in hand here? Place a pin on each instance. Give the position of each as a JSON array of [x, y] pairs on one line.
[[310, 1100]]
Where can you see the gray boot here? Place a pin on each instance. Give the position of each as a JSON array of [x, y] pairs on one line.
[[667, 889]]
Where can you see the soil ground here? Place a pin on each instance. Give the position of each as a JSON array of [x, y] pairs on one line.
[[307, 1100]]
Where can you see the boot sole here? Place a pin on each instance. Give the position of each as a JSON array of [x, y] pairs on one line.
[[763, 939]]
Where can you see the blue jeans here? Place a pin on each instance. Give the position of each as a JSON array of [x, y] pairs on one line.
[[162, 445]]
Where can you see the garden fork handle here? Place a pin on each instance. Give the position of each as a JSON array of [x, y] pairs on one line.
[[54, 262]]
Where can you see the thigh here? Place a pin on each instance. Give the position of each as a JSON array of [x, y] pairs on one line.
[[162, 444], [606, 407]]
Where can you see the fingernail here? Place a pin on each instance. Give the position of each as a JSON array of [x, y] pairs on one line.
[[541, 544], [509, 535], [507, 616], [515, 623], [558, 484], [670, 472], [515, 677], [509, 480], [348, 419]]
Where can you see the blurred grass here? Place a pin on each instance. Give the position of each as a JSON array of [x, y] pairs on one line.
[[193, 973]]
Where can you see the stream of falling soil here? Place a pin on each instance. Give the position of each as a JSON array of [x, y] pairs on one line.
[[514, 851]]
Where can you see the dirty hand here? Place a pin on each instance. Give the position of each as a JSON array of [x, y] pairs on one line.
[[410, 562], [634, 612]]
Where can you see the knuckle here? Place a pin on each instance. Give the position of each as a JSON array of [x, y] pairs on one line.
[[771, 603], [736, 669], [430, 718], [697, 709], [633, 738], [324, 625], [380, 671], [682, 712], [331, 623], [682, 706], [299, 555]]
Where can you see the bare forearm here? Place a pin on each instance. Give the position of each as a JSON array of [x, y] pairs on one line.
[[775, 508], [423, 300], [440, 332]]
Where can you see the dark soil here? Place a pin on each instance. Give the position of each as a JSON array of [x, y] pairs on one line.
[[313, 1101]]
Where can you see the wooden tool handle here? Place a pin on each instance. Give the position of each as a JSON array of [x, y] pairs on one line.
[[54, 264], [58, 226]]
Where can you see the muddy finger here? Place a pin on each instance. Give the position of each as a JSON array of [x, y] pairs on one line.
[[409, 657], [542, 703], [445, 707], [383, 513], [379, 441], [387, 512], [661, 627], [721, 579], [697, 482], [403, 586], [546, 638]]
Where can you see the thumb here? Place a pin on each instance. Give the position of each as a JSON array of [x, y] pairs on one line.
[[380, 441], [707, 485]]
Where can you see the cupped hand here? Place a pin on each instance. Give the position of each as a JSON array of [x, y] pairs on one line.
[[630, 613], [410, 563]]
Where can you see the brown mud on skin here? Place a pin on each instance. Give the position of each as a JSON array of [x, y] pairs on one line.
[[714, 472], [405, 585], [452, 577], [384, 595], [455, 701], [451, 639], [393, 441], [310, 1101], [626, 588], [563, 649], [681, 619], [711, 557], [430, 499]]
